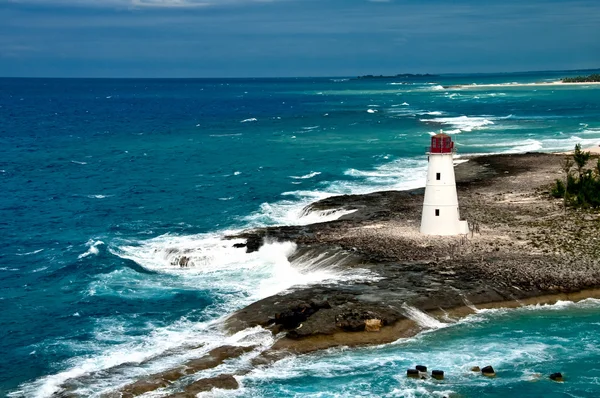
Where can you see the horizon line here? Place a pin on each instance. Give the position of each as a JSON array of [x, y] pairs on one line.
[[303, 77]]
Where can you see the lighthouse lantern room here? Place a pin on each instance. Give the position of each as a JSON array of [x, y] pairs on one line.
[[440, 206]]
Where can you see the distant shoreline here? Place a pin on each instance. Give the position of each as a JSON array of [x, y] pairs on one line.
[[536, 84]]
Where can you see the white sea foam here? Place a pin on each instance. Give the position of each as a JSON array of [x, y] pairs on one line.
[[396, 175], [309, 175], [436, 87], [236, 277], [534, 144], [422, 319], [371, 110], [225, 135], [221, 267], [463, 123], [93, 248], [30, 253], [99, 196], [252, 119], [78, 162]]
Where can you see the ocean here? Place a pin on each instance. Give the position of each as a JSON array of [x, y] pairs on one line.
[[106, 182]]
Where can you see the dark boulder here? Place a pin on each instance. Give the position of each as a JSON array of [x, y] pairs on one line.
[[253, 244], [437, 374], [421, 368], [557, 377], [412, 373], [488, 371], [183, 261]]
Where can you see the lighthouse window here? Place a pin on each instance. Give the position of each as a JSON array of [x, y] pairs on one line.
[[438, 176], [437, 212]]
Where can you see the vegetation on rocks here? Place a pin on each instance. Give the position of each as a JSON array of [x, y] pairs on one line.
[[583, 79], [580, 189]]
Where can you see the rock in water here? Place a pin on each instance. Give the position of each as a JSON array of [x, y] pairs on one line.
[[475, 369], [557, 377], [437, 374], [421, 368], [488, 371], [412, 373], [373, 325], [183, 261]]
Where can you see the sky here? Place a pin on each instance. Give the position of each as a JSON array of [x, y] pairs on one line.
[[280, 38]]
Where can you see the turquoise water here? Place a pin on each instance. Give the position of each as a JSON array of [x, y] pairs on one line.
[[107, 182]]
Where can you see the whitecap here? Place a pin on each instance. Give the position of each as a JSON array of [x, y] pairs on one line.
[[252, 119], [99, 196], [405, 104], [93, 248], [30, 253], [77, 162], [237, 173], [309, 175], [225, 135], [464, 123], [371, 110]]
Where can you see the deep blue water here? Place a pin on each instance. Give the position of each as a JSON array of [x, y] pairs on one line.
[[106, 182]]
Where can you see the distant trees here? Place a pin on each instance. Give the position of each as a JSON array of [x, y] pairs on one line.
[[582, 79], [581, 189]]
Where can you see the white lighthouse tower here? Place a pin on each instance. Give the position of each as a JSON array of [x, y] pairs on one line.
[[440, 205]]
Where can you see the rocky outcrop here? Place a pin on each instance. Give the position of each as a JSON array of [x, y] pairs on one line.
[[164, 379], [512, 257], [223, 381]]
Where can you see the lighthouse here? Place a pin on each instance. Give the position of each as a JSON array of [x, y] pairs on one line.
[[440, 205]]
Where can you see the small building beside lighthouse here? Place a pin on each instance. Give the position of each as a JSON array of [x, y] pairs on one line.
[[440, 206]]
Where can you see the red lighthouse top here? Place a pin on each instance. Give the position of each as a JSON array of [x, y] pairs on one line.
[[441, 143]]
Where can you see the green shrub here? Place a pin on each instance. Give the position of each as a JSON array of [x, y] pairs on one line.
[[583, 189], [558, 191]]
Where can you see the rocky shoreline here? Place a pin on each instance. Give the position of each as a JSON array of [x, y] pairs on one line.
[[524, 248]]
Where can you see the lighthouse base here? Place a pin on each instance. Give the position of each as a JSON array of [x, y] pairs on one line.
[[456, 227], [461, 227]]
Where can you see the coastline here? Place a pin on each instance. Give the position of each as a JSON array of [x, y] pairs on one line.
[[508, 85], [407, 328], [512, 261]]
